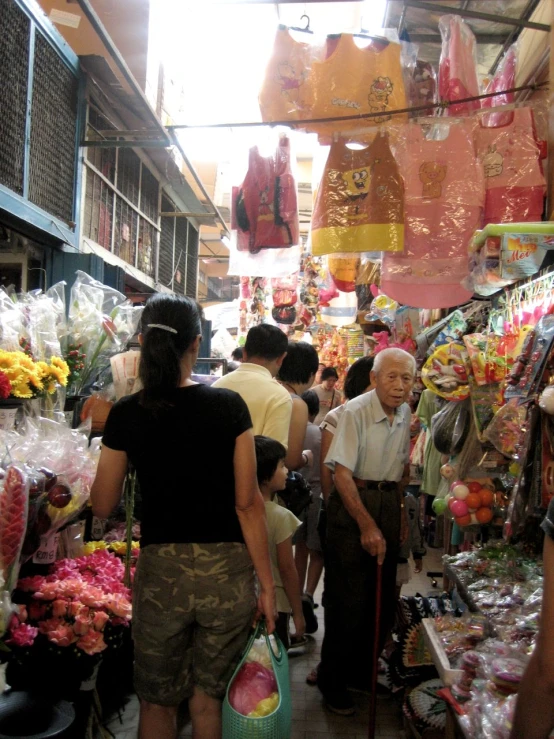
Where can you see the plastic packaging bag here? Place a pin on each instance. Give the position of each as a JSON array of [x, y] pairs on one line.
[[508, 428], [253, 683], [14, 497], [504, 79], [450, 427], [422, 86], [458, 65]]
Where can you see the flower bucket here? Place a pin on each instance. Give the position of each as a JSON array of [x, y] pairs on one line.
[[8, 413]]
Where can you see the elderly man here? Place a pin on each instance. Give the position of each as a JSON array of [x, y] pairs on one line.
[[365, 525]]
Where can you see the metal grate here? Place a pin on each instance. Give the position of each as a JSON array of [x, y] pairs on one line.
[[180, 267], [14, 66], [128, 174], [103, 159], [53, 133], [165, 261], [146, 247], [125, 237], [149, 189], [98, 214], [191, 288]]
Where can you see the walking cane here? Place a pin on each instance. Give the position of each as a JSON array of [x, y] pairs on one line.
[[375, 660]]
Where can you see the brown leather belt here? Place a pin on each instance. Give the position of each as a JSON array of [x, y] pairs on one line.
[[383, 486]]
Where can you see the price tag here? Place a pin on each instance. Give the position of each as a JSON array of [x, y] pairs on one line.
[[46, 553], [98, 528]]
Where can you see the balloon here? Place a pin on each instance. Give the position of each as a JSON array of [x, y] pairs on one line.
[[447, 471], [474, 487], [460, 491], [459, 507], [473, 501], [463, 520], [487, 497], [483, 515], [439, 506], [456, 482]]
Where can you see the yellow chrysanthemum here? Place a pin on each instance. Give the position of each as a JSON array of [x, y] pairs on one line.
[[22, 390], [59, 375], [61, 365], [26, 362]]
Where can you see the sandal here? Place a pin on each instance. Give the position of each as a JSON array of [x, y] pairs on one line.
[[311, 678]]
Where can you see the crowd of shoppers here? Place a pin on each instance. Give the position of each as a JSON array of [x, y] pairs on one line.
[[218, 548]]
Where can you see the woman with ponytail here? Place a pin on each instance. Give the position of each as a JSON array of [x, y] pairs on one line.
[[203, 530]]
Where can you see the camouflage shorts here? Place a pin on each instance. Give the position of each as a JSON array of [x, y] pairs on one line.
[[193, 606]]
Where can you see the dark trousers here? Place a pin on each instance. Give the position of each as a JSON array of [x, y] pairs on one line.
[[350, 590], [282, 628]]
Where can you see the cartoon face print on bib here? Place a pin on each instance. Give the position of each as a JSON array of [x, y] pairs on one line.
[[431, 175], [378, 97], [493, 162]]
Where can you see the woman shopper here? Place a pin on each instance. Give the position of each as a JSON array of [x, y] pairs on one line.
[[329, 396], [194, 590]]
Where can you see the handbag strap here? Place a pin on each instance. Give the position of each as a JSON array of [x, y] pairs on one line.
[[276, 659]]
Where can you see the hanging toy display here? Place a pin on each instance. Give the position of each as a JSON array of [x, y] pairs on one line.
[[252, 306], [309, 290], [284, 293], [445, 372], [471, 502], [382, 309], [344, 269]]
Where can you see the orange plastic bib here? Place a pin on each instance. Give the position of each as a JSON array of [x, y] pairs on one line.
[[360, 202], [356, 81]]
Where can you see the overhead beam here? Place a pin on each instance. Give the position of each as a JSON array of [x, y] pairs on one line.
[[478, 15], [527, 13], [182, 214], [435, 38], [125, 144]]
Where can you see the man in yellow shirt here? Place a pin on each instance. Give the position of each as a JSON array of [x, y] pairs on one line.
[[269, 403]]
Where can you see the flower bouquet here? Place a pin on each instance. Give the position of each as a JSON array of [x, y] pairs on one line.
[[60, 466], [101, 322], [66, 620]]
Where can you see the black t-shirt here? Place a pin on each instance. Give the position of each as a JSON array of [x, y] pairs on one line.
[[184, 462], [548, 524]]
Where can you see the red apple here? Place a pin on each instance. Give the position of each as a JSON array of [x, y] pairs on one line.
[[59, 495]]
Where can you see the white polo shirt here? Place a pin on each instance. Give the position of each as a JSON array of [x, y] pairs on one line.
[[270, 405], [367, 443]]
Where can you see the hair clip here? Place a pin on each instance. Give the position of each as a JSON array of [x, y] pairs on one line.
[[163, 327]]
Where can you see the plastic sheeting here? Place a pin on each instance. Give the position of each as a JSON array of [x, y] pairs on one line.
[[458, 65], [444, 201]]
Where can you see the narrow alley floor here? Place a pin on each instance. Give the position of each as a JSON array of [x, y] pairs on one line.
[[310, 720]]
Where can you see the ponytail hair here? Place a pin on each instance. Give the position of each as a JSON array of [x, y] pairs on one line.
[[169, 325]]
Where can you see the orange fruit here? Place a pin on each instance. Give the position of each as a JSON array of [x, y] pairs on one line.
[[473, 500], [487, 497], [463, 520], [483, 515]]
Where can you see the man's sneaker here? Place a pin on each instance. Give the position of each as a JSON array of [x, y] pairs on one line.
[[309, 616], [340, 703]]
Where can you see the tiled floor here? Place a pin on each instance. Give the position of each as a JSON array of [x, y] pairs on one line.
[[310, 719]]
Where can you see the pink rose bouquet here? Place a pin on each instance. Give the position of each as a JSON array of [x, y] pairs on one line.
[[79, 604]]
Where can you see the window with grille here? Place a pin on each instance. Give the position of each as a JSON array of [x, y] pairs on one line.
[[53, 130], [38, 126], [121, 202], [178, 259], [14, 70]]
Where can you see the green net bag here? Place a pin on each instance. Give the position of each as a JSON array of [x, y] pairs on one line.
[[276, 725]]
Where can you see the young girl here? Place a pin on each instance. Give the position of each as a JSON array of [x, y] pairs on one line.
[[281, 524], [202, 528]]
